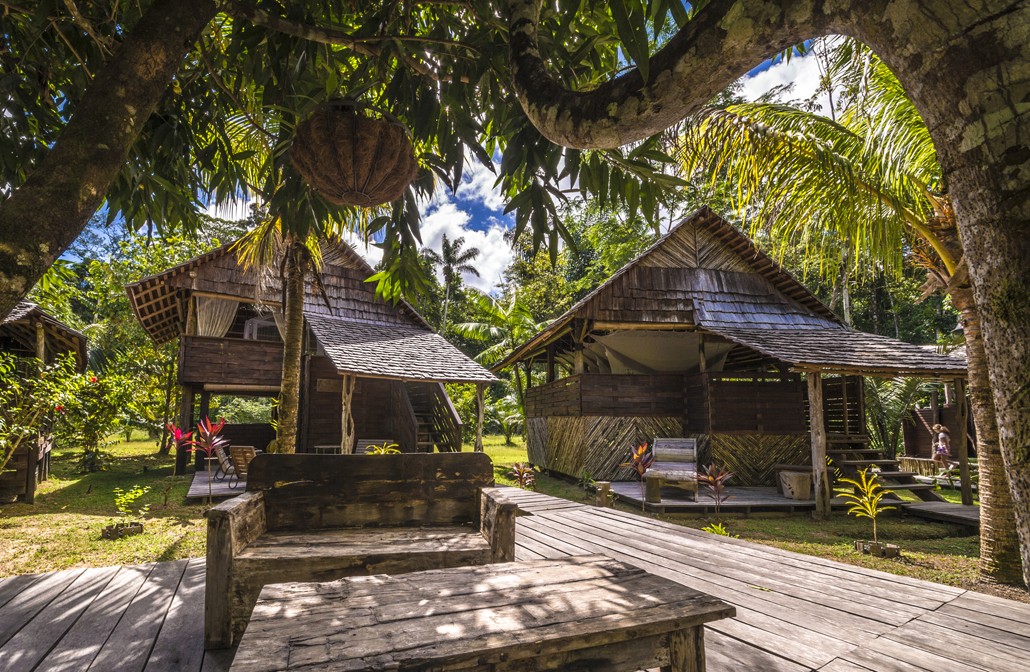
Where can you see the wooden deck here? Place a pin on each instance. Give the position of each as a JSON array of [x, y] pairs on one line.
[[795, 613], [219, 490], [742, 500], [134, 618], [947, 512]]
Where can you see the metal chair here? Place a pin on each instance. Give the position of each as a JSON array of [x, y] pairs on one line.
[[225, 467]]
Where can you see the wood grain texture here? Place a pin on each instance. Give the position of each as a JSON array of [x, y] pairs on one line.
[[579, 613], [536, 441]]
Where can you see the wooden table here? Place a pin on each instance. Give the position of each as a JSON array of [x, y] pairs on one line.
[[587, 613]]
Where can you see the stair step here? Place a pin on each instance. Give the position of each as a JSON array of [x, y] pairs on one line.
[[862, 463], [897, 474], [907, 486]]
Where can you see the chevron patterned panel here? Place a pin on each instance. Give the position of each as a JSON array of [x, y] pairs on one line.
[[536, 440], [751, 456], [565, 445], [609, 440]]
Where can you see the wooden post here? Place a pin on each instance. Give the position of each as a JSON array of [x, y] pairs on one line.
[[949, 394], [577, 353], [480, 411], [960, 443], [186, 423], [41, 343], [31, 470], [550, 363], [603, 494], [817, 422], [935, 405], [702, 363], [347, 418], [844, 403], [686, 650]]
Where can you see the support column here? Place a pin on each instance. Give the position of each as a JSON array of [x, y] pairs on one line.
[[960, 443], [817, 423], [480, 411], [347, 417], [186, 423], [702, 362], [41, 343], [205, 411], [935, 408], [550, 363], [577, 353]]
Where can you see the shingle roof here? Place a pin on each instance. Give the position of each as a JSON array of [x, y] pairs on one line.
[[20, 311], [394, 351], [843, 350]]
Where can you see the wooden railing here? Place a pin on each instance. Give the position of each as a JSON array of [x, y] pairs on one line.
[[229, 361], [405, 423], [447, 425]]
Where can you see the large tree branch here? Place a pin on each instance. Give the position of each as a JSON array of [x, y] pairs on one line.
[[721, 44], [45, 214]]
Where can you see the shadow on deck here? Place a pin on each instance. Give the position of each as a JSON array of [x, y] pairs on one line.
[[795, 613], [219, 489]]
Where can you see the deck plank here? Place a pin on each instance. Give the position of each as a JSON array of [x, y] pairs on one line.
[[11, 586], [32, 643], [129, 645], [21, 609], [180, 643], [79, 646]]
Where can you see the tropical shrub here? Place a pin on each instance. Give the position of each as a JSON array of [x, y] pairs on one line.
[[30, 398], [641, 460], [715, 478], [523, 475], [866, 504], [124, 500], [94, 409], [383, 450]]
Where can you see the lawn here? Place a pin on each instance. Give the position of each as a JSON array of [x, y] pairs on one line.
[[62, 529]]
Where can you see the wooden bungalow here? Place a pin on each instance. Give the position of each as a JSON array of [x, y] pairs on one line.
[[705, 336], [369, 364], [31, 332]]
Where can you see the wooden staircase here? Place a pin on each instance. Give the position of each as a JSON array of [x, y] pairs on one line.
[[850, 455], [435, 416]]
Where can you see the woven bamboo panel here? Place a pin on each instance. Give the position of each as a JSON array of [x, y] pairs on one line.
[[536, 440], [751, 456], [565, 445], [609, 440], [703, 447]]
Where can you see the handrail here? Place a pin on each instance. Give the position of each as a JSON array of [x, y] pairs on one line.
[[446, 421]]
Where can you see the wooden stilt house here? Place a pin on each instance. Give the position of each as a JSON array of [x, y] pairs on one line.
[[704, 336], [369, 364], [30, 332]]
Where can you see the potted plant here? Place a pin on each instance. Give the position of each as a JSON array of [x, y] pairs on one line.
[[123, 501], [866, 504]]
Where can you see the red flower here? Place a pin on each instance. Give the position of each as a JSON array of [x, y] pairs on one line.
[[59, 408], [93, 379]]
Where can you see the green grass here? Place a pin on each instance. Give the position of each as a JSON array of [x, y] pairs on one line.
[[62, 529]]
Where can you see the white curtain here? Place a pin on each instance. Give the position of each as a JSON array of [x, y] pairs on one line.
[[280, 321], [215, 316]]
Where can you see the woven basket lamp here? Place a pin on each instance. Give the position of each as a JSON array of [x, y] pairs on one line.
[[352, 158]]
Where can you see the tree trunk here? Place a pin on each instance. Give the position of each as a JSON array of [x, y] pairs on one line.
[[999, 541], [293, 346], [46, 213], [166, 444]]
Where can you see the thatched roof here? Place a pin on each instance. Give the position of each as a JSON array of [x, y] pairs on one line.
[[394, 351], [707, 276], [160, 301], [20, 326]]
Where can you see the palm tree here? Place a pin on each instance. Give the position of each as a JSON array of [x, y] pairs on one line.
[[504, 327], [866, 190], [454, 261]]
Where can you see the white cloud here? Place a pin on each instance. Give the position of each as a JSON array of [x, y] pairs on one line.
[[231, 211], [477, 184], [802, 71], [443, 216]]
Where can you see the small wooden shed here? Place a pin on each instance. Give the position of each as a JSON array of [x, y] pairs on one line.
[[381, 357], [30, 332], [705, 336]]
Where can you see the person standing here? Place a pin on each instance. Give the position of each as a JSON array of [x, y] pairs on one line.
[[942, 447]]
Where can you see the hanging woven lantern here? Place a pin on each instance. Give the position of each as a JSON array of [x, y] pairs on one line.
[[352, 158]]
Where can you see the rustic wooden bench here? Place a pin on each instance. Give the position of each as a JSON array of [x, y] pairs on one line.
[[588, 613], [777, 468], [675, 464], [323, 517]]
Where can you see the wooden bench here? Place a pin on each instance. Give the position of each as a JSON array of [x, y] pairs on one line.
[[312, 517], [777, 468], [675, 464], [586, 613]]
